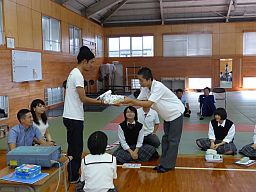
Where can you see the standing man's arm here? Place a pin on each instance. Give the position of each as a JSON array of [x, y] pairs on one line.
[[85, 99], [136, 102]]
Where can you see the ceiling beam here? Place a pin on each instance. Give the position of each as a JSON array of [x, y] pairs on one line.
[[112, 11], [162, 11], [61, 1], [99, 6], [229, 9]]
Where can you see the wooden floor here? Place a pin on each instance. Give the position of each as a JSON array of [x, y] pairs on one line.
[[191, 174]]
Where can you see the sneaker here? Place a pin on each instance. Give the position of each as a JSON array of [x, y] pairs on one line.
[[75, 181]]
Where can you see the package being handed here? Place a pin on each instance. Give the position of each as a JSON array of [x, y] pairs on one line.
[[108, 98]]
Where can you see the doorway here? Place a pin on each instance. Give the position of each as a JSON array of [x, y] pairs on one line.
[[226, 76]]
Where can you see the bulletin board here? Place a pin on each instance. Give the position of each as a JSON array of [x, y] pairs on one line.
[[26, 66]]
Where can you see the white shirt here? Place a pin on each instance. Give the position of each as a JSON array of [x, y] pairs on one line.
[[228, 138], [122, 140], [148, 120], [73, 106], [166, 103], [42, 126], [99, 172]]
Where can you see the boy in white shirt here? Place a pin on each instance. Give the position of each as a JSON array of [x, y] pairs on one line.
[[73, 115], [149, 119]]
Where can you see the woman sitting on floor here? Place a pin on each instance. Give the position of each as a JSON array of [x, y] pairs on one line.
[[250, 149], [221, 134], [130, 133], [207, 106]]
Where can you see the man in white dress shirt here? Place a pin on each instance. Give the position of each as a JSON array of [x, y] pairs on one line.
[[157, 96]]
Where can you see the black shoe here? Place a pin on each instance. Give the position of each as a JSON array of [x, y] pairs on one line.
[[156, 168], [186, 115], [201, 118], [163, 170]]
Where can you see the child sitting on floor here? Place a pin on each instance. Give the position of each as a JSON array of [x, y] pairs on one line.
[[221, 134], [98, 169], [131, 135], [250, 149]]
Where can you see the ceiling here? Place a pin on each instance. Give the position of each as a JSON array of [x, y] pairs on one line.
[[155, 12]]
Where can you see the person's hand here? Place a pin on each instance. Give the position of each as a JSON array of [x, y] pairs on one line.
[[216, 146], [134, 155], [212, 146], [254, 146]]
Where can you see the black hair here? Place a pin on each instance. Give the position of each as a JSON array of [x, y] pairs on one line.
[[133, 109], [179, 90], [33, 105], [146, 73], [221, 112], [84, 54], [207, 88], [97, 143], [22, 113]]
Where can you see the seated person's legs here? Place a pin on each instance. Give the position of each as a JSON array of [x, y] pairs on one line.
[[152, 139], [122, 155], [248, 151], [203, 143], [146, 152], [227, 149]]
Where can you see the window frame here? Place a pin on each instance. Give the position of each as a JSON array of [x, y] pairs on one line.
[[72, 48], [50, 41], [131, 46]]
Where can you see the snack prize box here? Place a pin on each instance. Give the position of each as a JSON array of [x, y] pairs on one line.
[[27, 171]]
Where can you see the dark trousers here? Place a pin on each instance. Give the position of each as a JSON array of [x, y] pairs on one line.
[[170, 142], [75, 146], [151, 139]]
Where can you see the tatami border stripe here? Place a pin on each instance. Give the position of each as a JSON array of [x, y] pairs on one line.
[[203, 168]]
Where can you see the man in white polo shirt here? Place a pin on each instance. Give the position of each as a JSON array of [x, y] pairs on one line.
[[149, 119], [169, 107]]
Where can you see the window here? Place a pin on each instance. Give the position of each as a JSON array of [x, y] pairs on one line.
[[141, 46], [74, 39], [187, 45], [51, 34], [53, 95], [199, 83], [1, 24], [99, 47], [249, 43], [249, 82]]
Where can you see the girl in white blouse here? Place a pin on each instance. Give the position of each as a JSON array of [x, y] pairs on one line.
[[38, 109]]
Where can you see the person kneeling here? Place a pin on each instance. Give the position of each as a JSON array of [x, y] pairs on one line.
[[221, 134]]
